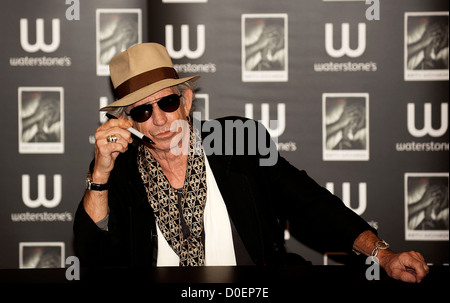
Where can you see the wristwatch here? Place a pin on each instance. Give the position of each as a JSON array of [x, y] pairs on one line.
[[90, 185]]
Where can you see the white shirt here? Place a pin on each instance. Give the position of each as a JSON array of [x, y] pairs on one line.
[[219, 248]]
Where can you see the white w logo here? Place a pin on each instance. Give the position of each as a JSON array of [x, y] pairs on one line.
[[427, 121], [185, 49], [345, 41], [346, 195], [41, 199], [40, 41], [281, 118]]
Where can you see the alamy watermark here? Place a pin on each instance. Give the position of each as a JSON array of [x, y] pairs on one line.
[[73, 271], [235, 137], [373, 11], [373, 271], [73, 11]]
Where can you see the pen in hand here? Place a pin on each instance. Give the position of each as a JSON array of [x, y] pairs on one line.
[[134, 131]]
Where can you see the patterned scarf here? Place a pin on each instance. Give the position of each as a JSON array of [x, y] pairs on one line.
[[163, 200]]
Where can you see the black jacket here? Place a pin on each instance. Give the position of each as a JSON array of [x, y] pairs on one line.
[[259, 200]]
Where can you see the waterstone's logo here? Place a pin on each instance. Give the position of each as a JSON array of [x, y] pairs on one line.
[[421, 123], [275, 132], [345, 41], [427, 128], [185, 51], [40, 45], [362, 196], [41, 199], [36, 197], [345, 50], [40, 40]]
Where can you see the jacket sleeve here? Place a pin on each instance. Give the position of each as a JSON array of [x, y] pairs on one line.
[[96, 247], [88, 238], [128, 239], [103, 247], [316, 217]]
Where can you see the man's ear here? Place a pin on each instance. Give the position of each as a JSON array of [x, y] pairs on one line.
[[188, 95]]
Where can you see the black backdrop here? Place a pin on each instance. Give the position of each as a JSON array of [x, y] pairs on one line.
[[304, 63]]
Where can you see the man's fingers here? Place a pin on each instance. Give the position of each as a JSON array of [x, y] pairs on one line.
[[120, 145], [107, 152], [414, 265], [405, 276], [122, 123], [421, 258], [408, 274], [120, 133], [421, 262]]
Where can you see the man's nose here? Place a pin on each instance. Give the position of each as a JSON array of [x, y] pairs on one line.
[[159, 116]]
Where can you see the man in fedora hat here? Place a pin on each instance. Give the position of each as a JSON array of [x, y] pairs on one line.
[[146, 205]]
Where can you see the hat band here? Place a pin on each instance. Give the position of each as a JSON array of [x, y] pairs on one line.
[[142, 80]]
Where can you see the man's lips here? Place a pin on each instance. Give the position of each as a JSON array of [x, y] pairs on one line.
[[163, 133]]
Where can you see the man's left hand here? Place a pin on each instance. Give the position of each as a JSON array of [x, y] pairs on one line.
[[406, 266]]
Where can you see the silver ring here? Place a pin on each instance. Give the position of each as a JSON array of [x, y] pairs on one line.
[[111, 138]]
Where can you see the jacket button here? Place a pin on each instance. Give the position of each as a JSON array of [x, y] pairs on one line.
[[276, 247]]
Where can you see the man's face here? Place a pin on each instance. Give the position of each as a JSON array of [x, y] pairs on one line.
[[158, 126]]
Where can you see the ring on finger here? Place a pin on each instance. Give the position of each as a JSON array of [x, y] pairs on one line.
[[111, 139]]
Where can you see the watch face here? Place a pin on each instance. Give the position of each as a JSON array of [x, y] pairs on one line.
[[93, 186]]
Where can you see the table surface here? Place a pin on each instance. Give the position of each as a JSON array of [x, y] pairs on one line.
[[238, 282]]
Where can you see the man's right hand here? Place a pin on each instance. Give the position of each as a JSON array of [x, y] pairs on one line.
[[96, 202], [107, 152]]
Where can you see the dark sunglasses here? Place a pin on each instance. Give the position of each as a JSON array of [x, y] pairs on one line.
[[167, 104]]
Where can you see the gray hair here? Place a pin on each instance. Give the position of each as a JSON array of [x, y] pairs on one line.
[[188, 85], [121, 111]]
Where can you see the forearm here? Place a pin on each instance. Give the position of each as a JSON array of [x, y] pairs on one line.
[[365, 243], [96, 204]]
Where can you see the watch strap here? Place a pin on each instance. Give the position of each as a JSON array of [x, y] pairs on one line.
[[90, 185]]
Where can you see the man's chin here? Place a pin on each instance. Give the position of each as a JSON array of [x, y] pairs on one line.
[[168, 146]]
